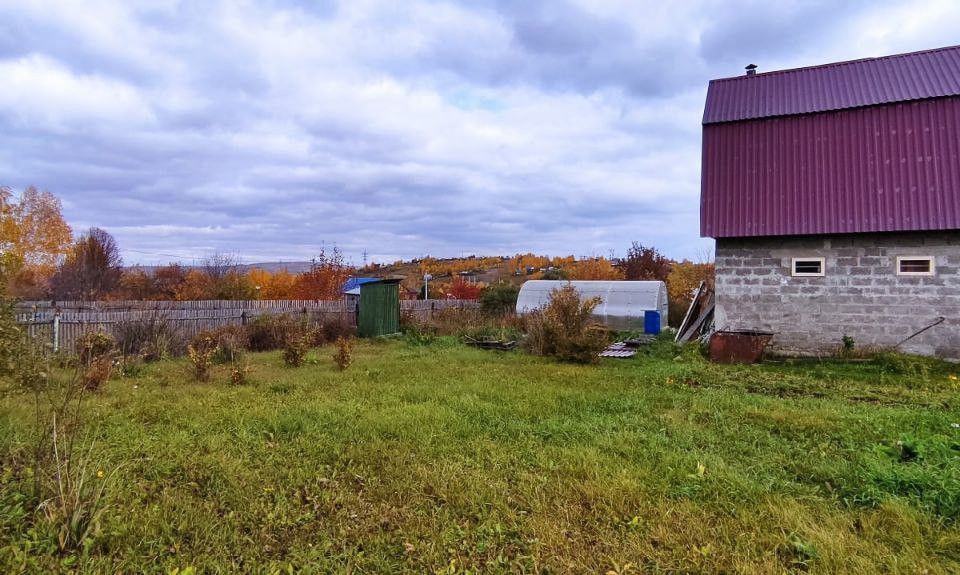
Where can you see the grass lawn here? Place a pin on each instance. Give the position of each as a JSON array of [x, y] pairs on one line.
[[445, 459]]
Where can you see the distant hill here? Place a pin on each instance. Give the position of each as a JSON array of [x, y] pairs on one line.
[[272, 267]]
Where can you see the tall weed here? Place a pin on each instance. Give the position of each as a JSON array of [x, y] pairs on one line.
[[152, 338], [201, 352], [564, 328]]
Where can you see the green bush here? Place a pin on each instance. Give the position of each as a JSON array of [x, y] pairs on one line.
[[499, 298], [11, 338], [295, 350], [898, 363]]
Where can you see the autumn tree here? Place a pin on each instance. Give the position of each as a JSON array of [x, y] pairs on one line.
[[684, 278], [226, 280], [136, 284], [91, 270], [326, 277], [645, 263], [33, 239], [168, 281], [279, 285], [598, 268], [461, 289], [196, 285]]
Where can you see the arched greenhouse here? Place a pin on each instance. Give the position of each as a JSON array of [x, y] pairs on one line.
[[624, 303]]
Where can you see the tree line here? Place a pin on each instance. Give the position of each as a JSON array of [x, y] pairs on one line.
[[41, 259]]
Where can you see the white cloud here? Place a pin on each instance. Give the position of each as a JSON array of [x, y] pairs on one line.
[[39, 89], [265, 128]]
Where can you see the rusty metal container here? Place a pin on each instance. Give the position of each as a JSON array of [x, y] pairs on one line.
[[738, 346]]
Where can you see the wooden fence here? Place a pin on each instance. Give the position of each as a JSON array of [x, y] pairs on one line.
[[62, 323]]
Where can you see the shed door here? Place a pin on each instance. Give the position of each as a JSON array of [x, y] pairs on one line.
[[379, 309]]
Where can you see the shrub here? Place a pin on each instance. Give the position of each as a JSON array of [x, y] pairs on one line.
[[412, 323], [11, 337], [129, 366], [97, 371], [94, 344], [238, 373], [898, 363], [564, 328], [344, 355], [458, 321], [270, 332], [295, 350], [232, 342], [153, 338], [201, 352], [475, 324], [333, 329], [499, 298]]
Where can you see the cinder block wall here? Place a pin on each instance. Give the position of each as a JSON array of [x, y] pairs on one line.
[[860, 295]]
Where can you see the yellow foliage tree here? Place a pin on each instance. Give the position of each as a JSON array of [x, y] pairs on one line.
[[33, 238], [598, 268], [684, 277], [195, 286], [280, 285]]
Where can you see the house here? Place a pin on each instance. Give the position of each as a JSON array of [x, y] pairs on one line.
[[833, 193]]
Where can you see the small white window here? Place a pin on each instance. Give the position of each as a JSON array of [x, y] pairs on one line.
[[807, 267], [915, 265]]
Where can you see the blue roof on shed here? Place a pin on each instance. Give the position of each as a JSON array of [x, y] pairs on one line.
[[354, 283]]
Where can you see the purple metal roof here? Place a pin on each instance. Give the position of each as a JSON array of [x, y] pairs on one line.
[[900, 78], [885, 168]]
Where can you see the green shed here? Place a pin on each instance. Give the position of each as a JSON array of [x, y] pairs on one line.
[[379, 308]]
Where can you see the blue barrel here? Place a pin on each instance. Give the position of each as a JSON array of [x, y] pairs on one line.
[[651, 322]]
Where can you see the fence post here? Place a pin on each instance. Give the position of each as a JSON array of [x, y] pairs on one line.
[[56, 332]]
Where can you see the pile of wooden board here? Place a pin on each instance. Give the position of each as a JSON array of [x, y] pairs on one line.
[[698, 320], [491, 344], [627, 348]]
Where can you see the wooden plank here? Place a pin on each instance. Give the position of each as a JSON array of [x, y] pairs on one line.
[[696, 325], [694, 303]]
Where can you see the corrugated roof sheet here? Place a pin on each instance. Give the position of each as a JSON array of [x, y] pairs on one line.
[[355, 283], [878, 169], [842, 85]]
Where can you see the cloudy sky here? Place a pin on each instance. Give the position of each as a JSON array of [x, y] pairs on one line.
[[269, 128]]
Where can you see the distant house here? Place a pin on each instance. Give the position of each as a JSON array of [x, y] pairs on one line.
[[833, 193]]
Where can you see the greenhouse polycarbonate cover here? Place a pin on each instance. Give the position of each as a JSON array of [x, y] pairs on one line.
[[623, 302]]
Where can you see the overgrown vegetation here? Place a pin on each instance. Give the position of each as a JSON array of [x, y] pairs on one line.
[[295, 349], [152, 339], [50, 486], [564, 328], [201, 352], [417, 458], [499, 298], [344, 354]]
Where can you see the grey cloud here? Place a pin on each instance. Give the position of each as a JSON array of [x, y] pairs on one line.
[[559, 46], [766, 32], [399, 152]]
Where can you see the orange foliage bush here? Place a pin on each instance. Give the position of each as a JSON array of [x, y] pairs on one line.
[[460, 289]]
